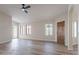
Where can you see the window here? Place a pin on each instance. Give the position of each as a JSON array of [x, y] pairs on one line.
[[22, 29], [28, 29], [78, 27], [48, 29], [75, 29], [14, 31]]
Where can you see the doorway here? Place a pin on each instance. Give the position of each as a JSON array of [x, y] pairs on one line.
[[60, 32]]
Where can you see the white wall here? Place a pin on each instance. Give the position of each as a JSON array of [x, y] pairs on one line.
[[77, 10], [38, 31], [78, 35], [5, 27], [75, 18], [72, 16], [61, 18]]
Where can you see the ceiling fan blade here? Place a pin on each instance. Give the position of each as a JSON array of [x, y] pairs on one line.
[[27, 7], [26, 11], [24, 7]]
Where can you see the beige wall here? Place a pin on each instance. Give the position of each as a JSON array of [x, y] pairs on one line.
[[5, 28]]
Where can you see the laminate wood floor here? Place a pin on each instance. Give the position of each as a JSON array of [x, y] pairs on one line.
[[31, 47]]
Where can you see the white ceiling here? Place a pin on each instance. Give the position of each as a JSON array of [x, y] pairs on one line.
[[36, 12]]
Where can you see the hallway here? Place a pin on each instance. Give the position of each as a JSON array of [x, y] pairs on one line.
[[31, 47]]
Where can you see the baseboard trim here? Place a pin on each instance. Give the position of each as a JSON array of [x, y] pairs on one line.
[[41, 40], [4, 42]]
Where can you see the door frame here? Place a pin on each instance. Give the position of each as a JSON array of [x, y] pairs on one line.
[[63, 24], [60, 20]]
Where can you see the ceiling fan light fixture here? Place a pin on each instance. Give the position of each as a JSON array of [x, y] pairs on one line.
[[23, 9]]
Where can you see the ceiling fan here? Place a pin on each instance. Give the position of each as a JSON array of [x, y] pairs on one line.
[[24, 8]]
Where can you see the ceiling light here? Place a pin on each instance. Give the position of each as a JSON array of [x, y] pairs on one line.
[[23, 9]]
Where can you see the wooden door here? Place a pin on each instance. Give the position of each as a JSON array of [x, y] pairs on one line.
[[60, 32]]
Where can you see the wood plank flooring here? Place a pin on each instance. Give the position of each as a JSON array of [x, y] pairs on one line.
[[30, 47]]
